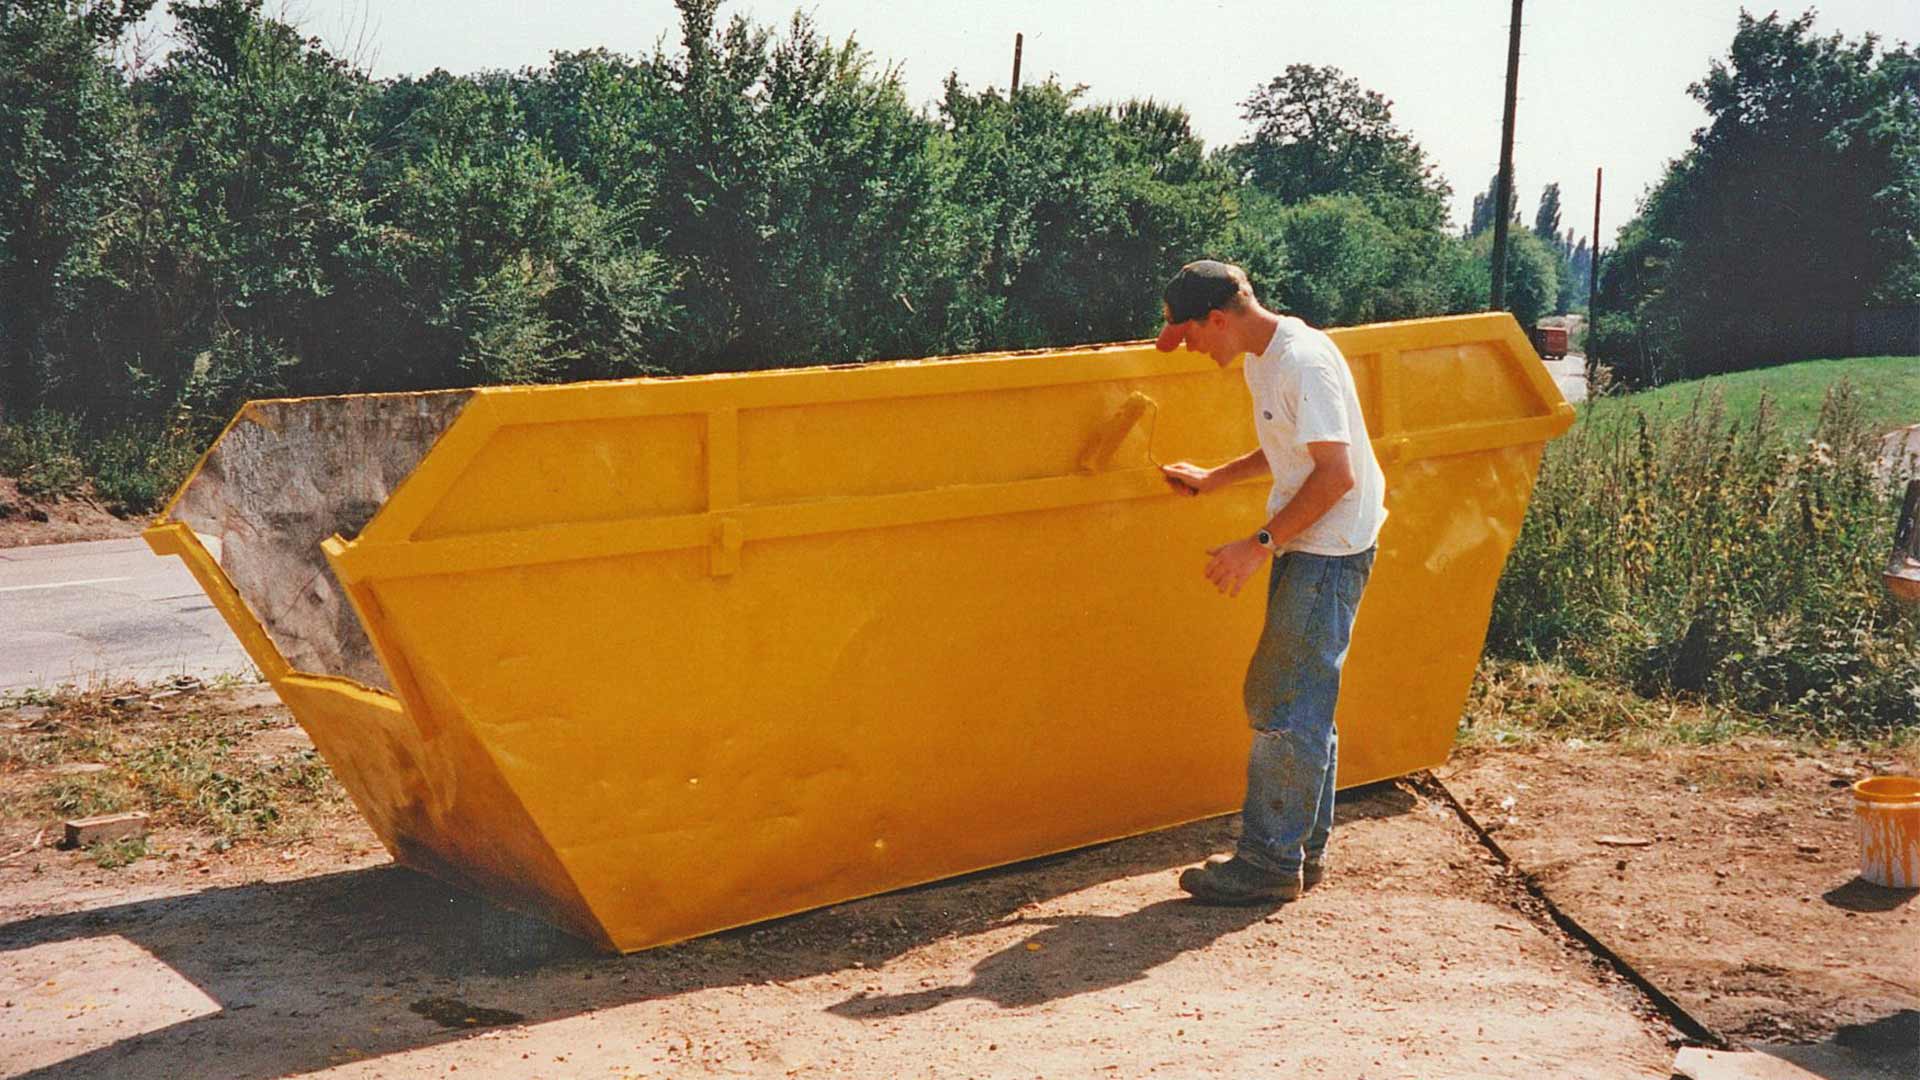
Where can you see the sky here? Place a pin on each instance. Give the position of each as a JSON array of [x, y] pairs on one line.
[[1603, 83]]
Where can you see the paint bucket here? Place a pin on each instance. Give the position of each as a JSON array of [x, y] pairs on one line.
[[1889, 811]]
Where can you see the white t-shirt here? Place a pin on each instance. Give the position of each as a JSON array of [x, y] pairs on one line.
[[1303, 393]]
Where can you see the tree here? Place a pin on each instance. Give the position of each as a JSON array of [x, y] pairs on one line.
[[495, 263], [1580, 265], [259, 136], [1798, 203], [1074, 214], [255, 215], [66, 156], [1533, 281], [1319, 132], [1481, 218], [1546, 220]]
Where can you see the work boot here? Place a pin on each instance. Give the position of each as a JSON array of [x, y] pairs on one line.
[[1237, 881], [1311, 872]]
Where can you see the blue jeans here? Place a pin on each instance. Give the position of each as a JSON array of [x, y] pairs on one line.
[[1292, 684]]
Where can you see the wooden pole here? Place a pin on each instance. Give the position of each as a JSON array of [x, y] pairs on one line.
[[1504, 195], [1593, 263], [1018, 41], [1593, 282]]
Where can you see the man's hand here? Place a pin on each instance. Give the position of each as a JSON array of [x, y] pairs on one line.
[[1186, 478], [1234, 563]]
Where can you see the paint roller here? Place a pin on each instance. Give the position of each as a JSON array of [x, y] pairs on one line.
[[1113, 431]]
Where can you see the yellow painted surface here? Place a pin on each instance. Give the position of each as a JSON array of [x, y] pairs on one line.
[[677, 655]]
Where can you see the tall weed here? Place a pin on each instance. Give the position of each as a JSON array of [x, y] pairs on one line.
[[1720, 558]]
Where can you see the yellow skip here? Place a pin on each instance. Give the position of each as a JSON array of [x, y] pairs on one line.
[[658, 657]]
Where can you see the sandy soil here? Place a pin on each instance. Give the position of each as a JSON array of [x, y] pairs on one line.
[[1736, 891], [1421, 956]]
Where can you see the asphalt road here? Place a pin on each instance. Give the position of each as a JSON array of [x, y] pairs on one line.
[[1570, 375], [102, 611]]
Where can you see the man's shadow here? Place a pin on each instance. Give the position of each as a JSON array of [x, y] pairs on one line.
[[382, 961], [1074, 954]]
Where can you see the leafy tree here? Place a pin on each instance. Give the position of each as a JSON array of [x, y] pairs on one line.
[[1481, 218], [1077, 214], [67, 162], [494, 263], [1533, 282], [1580, 271], [787, 185], [1546, 220], [261, 149], [1798, 203], [255, 215], [1317, 132], [1546, 226], [1334, 261]]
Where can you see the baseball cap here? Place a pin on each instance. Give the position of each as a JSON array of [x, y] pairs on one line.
[[1197, 289]]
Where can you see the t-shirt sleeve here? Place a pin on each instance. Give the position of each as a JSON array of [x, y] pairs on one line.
[[1322, 411]]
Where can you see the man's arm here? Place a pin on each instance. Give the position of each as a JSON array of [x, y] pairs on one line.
[[1187, 478], [1331, 478]]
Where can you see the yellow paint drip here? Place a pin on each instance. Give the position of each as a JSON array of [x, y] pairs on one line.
[[670, 656]]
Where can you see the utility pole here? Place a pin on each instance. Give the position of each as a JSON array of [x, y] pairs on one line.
[[1018, 41], [1504, 195], [1593, 280], [1593, 263]]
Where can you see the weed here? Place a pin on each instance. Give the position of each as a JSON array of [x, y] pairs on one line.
[[41, 696], [88, 797], [1722, 560], [186, 764], [1738, 776], [135, 468], [114, 854]]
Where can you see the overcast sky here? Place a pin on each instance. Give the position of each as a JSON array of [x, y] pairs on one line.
[[1602, 82]]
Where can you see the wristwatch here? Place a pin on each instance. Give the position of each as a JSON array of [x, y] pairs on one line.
[[1264, 539]]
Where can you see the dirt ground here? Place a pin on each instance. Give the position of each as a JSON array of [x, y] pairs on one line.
[[1726, 875], [26, 519], [1421, 956]]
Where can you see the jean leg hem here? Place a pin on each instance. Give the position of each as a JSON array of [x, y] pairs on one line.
[[1260, 861]]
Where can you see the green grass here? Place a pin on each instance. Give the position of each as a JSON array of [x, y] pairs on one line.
[[1886, 387]]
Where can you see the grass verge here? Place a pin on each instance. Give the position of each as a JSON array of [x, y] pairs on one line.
[[1886, 391]]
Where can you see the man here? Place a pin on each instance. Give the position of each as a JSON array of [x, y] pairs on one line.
[[1323, 516]]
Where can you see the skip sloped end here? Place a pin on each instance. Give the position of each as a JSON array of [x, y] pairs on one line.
[[286, 475]]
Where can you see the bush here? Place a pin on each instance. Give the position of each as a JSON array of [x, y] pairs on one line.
[[131, 468], [42, 453], [1718, 559], [137, 467]]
